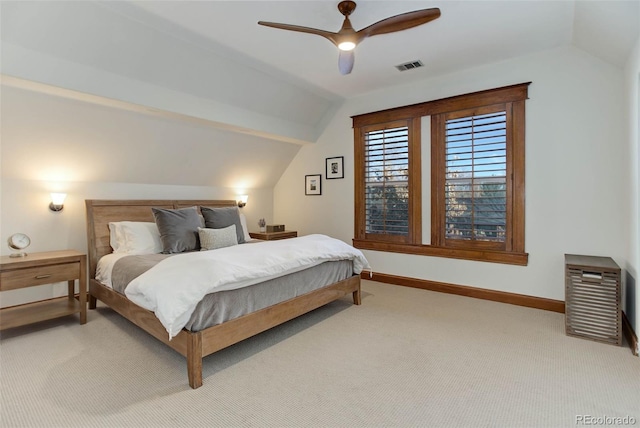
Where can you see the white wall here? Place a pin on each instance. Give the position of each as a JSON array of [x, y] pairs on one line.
[[91, 151], [632, 92], [576, 156], [47, 137], [24, 208]]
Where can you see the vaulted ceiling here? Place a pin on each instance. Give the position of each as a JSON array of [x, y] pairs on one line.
[[467, 34], [209, 60]]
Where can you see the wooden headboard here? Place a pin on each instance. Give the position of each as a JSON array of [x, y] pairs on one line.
[[101, 212]]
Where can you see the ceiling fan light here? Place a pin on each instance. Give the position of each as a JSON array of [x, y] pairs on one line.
[[346, 46]]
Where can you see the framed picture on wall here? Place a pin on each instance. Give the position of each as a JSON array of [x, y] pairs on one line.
[[335, 167], [313, 184]]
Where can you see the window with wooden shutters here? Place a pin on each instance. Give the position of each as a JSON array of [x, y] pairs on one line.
[[386, 186], [386, 180], [475, 178]]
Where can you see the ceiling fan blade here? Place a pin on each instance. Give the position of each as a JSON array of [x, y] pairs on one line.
[[401, 22], [332, 37], [345, 62]]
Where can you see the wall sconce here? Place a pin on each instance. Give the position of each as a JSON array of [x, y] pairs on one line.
[[243, 200], [57, 201]]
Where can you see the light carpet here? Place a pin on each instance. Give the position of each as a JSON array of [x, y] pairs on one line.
[[404, 358]]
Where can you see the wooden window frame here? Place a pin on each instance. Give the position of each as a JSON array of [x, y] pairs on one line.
[[513, 97]]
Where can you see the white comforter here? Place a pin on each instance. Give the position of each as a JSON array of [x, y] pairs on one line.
[[173, 288]]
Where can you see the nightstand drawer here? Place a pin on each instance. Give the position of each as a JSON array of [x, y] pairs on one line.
[[28, 277]]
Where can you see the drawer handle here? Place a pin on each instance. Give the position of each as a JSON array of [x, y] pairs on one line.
[[43, 276]]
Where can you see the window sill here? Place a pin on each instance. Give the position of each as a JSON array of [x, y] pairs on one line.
[[520, 259]]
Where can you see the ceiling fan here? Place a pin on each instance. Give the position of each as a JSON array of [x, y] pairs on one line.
[[347, 38]]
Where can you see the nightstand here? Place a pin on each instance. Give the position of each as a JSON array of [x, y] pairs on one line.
[[272, 236], [38, 269]]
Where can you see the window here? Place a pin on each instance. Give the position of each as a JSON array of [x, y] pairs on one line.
[[477, 177], [386, 180], [386, 186]]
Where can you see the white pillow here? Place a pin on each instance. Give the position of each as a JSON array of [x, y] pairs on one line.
[[211, 239], [243, 222], [132, 237], [116, 240]]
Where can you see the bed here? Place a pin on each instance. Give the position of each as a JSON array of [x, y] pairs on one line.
[[194, 345]]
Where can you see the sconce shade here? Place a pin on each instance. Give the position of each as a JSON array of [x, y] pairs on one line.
[[242, 201], [57, 201]]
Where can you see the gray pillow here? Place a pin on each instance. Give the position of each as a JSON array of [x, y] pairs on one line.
[[219, 218], [178, 229]]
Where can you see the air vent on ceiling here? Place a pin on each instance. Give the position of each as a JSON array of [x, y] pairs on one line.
[[409, 65]]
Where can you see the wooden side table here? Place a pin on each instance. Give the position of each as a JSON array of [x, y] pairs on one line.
[[44, 268], [271, 236]]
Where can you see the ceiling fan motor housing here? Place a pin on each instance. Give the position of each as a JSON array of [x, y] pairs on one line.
[[346, 7]]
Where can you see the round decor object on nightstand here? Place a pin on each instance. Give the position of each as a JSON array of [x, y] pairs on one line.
[[19, 241]]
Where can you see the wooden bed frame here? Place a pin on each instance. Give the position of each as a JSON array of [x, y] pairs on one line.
[[193, 345]]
